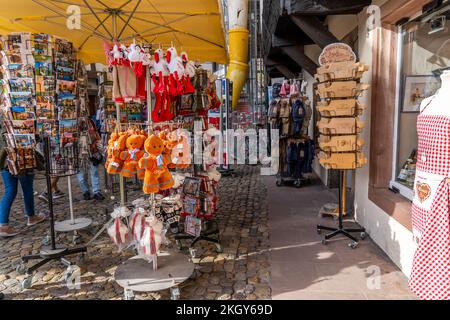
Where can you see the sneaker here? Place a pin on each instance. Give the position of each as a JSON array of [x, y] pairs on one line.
[[98, 196], [43, 196], [7, 232], [34, 220], [58, 194], [87, 196]]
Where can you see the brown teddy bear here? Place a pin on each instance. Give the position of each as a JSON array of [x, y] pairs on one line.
[[157, 176]]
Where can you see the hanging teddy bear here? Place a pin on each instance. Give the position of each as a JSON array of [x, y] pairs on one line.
[[116, 163], [181, 153], [109, 150], [169, 144], [132, 156], [140, 171], [157, 176], [188, 74]]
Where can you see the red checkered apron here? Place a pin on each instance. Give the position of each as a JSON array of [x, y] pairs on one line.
[[430, 277]]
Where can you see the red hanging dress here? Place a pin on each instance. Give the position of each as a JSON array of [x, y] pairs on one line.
[[430, 277]]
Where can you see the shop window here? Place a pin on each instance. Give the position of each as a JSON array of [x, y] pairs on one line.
[[424, 53]]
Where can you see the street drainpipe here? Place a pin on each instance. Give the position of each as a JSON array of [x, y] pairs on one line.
[[238, 46]]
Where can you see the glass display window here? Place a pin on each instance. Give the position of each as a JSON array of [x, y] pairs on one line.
[[424, 53]]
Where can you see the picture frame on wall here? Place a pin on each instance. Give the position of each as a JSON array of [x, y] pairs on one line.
[[416, 89]]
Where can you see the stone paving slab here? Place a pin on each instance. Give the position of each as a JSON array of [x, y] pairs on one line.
[[240, 272], [302, 268]]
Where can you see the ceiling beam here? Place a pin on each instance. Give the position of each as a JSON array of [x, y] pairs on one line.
[[326, 7], [282, 42], [282, 68], [297, 54], [285, 71], [314, 29]]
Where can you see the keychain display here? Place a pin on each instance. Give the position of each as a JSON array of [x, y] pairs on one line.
[[339, 126]]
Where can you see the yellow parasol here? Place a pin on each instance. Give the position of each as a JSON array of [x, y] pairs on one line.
[[194, 26]]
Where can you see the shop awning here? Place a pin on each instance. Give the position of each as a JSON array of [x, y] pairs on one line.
[[194, 26]]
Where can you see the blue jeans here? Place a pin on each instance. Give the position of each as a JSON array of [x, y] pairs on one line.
[[95, 179], [11, 182]]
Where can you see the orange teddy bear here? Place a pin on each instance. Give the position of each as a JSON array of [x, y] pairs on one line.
[[116, 163], [140, 171], [131, 157], [109, 150], [157, 176]]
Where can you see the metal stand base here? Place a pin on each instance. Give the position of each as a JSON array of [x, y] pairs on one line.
[[340, 229], [46, 255], [69, 225], [204, 236], [137, 274]]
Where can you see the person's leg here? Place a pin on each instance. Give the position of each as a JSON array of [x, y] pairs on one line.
[[95, 179], [10, 182], [55, 184], [82, 181], [26, 182], [82, 177]]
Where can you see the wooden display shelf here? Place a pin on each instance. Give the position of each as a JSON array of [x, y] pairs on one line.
[[341, 70], [340, 89], [340, 108], [342, 161], [341, 126], [346, 143]]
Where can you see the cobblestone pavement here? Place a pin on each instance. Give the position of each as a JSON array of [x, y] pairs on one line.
[[242, 271]]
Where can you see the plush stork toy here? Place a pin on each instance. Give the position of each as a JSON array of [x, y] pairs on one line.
[[189, 72], [176, 69], [160, 74]]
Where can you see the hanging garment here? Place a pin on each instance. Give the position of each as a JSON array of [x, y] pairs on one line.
[[430, 277], [285, 114], [292, 158], [309, 156], [276, 88], [274, 114], [124, 83], [298, 115]]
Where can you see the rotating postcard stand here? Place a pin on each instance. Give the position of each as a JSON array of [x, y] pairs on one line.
[[53, 251], [169, 268]]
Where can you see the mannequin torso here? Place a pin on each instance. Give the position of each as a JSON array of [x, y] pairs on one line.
[[439, 104]]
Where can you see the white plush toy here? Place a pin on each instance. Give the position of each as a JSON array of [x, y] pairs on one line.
[[152, 237], [176, 69], [138, 224], [189, 72], [135, 53], [118, 232], [158, 69], [121, 212]]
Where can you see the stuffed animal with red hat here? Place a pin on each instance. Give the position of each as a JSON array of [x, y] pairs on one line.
[[176, 69], [189, 73]]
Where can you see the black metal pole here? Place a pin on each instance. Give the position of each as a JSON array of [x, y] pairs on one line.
[[49, 190]]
